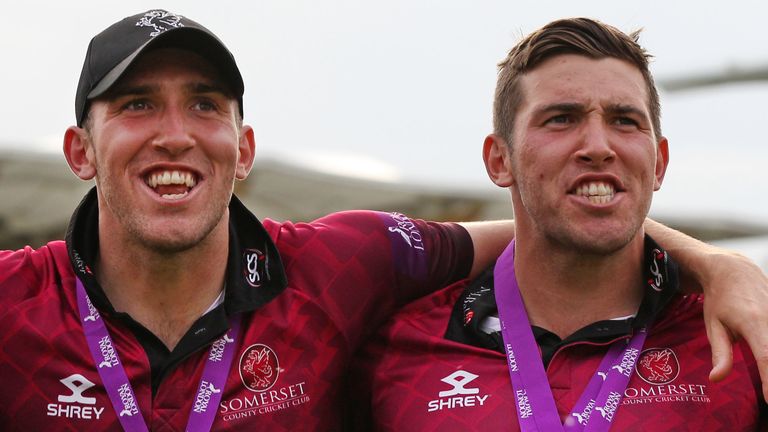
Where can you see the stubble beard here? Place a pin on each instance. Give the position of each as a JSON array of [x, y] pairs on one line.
[[568, 237], [141, 229]]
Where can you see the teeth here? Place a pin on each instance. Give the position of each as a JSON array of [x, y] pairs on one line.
[[597, 192], [171, 177], [174, 196]]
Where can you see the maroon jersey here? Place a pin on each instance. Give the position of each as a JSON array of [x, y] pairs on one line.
[[439, 365], [308, 293]]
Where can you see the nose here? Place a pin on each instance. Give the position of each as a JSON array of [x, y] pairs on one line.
[[595, 147], [173, 132]]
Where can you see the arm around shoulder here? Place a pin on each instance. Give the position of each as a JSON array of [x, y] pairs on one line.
[[736, 296], [489, 240]]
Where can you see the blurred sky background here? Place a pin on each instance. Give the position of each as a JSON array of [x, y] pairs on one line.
[[402, 90]]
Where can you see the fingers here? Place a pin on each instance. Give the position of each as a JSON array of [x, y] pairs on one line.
[[722, 351]]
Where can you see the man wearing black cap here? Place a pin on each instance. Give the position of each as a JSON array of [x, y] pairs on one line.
[[170, 306]]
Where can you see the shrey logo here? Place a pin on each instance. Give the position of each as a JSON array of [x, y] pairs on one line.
[[77, 384], [459, 396], [160, 21], [259, 368], [75, 405], [458, 380], [658, 366], [253, 266]]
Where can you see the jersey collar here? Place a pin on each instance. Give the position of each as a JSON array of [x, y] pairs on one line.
[[254, 276], [477, 303]]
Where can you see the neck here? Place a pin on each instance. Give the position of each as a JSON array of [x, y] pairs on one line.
[[564, 291], [165, 292]]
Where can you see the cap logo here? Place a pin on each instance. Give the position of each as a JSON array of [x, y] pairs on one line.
[[160, 21]]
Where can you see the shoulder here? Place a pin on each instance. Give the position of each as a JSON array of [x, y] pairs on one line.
[[27, 271], [429, 314], [347, 221], [361, 227], [28, 259], [683, 311]]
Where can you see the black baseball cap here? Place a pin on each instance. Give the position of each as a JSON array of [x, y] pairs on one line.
[[112, 52]]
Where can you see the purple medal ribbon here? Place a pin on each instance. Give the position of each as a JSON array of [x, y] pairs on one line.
[[536, 409], [119, 388]]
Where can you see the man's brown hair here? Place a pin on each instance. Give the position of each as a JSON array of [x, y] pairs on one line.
[[580, 36]]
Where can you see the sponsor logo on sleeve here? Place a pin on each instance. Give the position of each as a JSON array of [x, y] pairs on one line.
[[407, 245], [260, 371], [75, 405], [407, 230], [459, 395]]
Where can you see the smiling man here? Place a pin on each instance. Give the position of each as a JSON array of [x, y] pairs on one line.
[[581, 324], [169, 306]]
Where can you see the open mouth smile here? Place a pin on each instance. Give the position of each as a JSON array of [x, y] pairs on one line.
[[171, 184], [597, 192]]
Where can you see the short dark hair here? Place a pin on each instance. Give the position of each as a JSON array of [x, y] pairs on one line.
[[580, 36]]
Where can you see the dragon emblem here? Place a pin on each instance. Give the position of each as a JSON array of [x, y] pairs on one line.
[[160, 21], [658, 366], [259, 367]]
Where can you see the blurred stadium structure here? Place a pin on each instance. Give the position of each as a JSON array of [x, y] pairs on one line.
[[39, 193]]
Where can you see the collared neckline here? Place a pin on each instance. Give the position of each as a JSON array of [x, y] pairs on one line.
[[248, 243], [477, 303]]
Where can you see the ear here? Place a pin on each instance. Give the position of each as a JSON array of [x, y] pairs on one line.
[[662, 161], [246, 151], [497, 161], [78, 151]]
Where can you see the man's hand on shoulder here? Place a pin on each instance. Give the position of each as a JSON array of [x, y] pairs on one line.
[[735, 306], [736, 297]]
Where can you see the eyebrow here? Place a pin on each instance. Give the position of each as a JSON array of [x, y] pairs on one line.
[[572, 107], [619, 109], [565, 107]]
